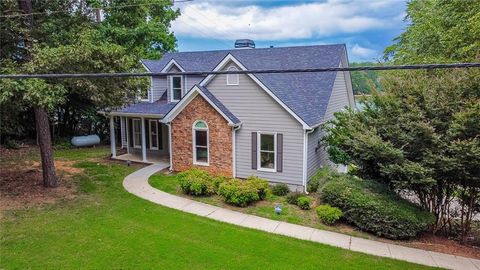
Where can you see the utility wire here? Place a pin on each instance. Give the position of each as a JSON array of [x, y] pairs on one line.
[[93, 9], [205, 73]]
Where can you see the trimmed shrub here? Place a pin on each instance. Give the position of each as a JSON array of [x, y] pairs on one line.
[[328, 214], [318, 179], [372, 207], [280, 189], [292, 197], [196, 182], [261, 185], [238, 192], [304, 202]]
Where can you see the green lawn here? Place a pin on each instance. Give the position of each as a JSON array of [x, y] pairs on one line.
[[105, 227]]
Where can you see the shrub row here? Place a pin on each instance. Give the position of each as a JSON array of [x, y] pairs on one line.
[[234, 191], [374, 208]]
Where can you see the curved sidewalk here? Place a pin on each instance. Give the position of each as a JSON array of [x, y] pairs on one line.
[[137, 184]]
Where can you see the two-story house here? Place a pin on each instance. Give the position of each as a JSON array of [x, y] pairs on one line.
[[264, 124]]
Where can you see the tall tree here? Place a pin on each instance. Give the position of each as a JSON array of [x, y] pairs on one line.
[[67, 37], [422, 134], [438, 31]]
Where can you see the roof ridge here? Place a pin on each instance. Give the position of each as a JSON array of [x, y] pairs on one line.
[[233, 49]]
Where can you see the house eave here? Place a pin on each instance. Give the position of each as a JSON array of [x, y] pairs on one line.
[[159, 116]]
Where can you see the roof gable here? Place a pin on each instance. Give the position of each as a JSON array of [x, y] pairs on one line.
[[209, 97]]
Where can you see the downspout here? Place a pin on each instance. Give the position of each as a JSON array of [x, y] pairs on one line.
[[305, 155], [169, 125], [234, 150]]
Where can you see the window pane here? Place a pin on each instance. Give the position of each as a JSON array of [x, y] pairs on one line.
[[267, 142], [153, 142], [177, 94], [267, 160], [136, 125], [177, 82], [201, 138], [137, 139], [202, 154], [200, 124]]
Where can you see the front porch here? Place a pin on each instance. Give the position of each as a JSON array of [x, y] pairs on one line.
[[142, 137], [151, 159]]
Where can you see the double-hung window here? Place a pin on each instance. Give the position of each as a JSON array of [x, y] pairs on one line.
[[176, 88], [267, 151], [153, 130], [137, 133], [200, 143]]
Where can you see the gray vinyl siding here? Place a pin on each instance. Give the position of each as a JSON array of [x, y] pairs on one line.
[[162, 84], [260, 112], [190, 81], [339, 99], [159, 86]]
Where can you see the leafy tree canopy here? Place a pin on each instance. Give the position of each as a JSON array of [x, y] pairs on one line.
[[439, 31], [365, 82]]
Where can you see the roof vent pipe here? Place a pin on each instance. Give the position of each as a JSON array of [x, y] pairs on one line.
[[244, 44]]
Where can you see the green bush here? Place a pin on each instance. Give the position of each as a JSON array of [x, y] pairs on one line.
[[292, 197], [238, 192], [261, 185], [11, 144], [372, 207], [280, 189], [318, 179], [197, 182], [304, 202], [62, 144], [328, 214]]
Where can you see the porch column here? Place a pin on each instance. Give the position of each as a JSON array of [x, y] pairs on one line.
[[144, 142], [112, 137], [122, 132], [128, 134]]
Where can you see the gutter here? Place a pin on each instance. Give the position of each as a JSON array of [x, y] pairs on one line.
[[135, 114]]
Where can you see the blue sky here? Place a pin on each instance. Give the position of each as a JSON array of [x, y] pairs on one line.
[[366, 26]]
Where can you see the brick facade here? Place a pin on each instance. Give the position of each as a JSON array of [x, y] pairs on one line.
[[220, 138]]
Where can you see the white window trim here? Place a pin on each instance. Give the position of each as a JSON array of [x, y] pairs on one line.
[[259, 145], [135, 145], [171, 87], [194, 144], [150, 121], [233, 68]]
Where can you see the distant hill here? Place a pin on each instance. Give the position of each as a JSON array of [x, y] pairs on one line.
[[365, 81]]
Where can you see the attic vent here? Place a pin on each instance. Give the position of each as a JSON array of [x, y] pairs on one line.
[[244, 44]]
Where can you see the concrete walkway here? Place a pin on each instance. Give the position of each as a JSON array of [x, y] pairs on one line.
[[137, 184]]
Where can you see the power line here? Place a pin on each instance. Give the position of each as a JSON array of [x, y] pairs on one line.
[[263, 71], [93, 9]]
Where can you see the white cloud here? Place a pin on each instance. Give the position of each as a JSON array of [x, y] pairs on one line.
[[362, 52], [221, 20]]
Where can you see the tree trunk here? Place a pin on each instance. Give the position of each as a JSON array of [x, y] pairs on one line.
[[45, 144]]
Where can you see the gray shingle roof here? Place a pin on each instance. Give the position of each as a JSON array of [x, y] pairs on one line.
[[306, 94], [159, 107], [219, 104]]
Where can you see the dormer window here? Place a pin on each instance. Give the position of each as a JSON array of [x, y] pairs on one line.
[[232, 79], [176, 88]]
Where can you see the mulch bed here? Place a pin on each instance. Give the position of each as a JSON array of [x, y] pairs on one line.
[[21, 182]]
